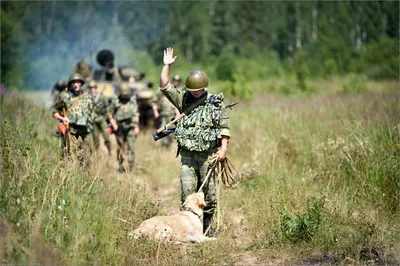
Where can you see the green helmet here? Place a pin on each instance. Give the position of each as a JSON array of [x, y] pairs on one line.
[[92, 84], [76, 76], [124, 89], [196, 80]]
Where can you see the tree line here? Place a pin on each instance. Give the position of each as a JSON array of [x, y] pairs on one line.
[[41, 40]]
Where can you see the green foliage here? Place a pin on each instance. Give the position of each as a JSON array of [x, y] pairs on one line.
[[355, 83], [225, 68], [298, 227], [382, 59], [301, 70], [330, 68], [41, 42]]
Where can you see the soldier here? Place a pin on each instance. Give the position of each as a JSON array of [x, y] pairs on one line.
[[164, 111], [176, 81], [202, 133], [74, 108], [101, 113], [58, 87], [125, 112], [84, 69]]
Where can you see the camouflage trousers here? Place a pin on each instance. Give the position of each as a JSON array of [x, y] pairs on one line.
[[100, 127], [75, 144], [194, 169], [126, 147]]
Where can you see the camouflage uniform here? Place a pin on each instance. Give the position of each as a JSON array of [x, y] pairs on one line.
[[125, 112], [79, 110], [167, 112], [101, 113], [199, 135]]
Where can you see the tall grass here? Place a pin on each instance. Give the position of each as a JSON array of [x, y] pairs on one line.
[[47, 201], [320, 183]]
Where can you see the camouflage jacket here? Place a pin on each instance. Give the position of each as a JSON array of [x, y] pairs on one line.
[[101, 108], [165, 107], [79, 109], [125, 112], [202, 129]]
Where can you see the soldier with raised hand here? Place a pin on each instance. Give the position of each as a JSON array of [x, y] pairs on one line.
[[201, 133], [101, 113], [74, 108], [124, 110]]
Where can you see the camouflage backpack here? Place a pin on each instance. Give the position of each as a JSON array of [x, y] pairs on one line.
[[125, 113]]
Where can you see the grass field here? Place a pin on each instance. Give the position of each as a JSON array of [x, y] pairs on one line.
[[321, 185]]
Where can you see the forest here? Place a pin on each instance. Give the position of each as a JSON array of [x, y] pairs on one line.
[[42, 40]]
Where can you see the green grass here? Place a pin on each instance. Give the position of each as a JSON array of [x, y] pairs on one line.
[[320, 180]]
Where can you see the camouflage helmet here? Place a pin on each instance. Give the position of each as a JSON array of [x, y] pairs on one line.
[[124, 89], [196, 80], [92, 84], [177, 77], [76, 76]]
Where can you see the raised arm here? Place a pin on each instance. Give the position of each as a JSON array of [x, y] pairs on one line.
[[169, 59]]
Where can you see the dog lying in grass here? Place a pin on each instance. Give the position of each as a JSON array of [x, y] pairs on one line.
[[185, 226]]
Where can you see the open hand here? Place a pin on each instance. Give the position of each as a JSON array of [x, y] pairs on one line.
[[169, 58]]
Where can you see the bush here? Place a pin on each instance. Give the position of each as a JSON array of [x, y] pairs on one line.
[[382, 59], [355, 83], [330, 67], [225, 68], [301, 69], [298, 227]]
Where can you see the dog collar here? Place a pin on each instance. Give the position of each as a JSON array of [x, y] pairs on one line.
[[192, 211]]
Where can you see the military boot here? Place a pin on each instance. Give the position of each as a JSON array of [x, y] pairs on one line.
[[207, 223], [131, 167]]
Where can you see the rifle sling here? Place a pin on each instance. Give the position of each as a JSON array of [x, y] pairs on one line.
[[201, 100], [195, 104]]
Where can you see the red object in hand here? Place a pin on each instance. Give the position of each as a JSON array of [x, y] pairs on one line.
[[62, 128], [109, 131]]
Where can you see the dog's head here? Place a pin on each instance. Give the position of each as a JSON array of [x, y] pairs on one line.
[[195, 201]]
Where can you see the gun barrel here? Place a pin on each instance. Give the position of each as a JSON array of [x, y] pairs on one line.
[[231, 104]]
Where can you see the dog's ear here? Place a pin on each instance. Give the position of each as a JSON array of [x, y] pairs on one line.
[[201, 203]]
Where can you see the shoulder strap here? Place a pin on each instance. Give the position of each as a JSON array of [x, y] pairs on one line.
[[187, 110], [76, 100]]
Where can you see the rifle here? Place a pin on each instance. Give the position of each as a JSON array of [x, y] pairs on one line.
[[170, 127], [63, 129], [118, 139]]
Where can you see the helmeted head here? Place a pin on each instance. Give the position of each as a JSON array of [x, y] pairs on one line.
[[196, 80], [176, 80], [60, 85], [75, 82], [124, 90], [92, 86]]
